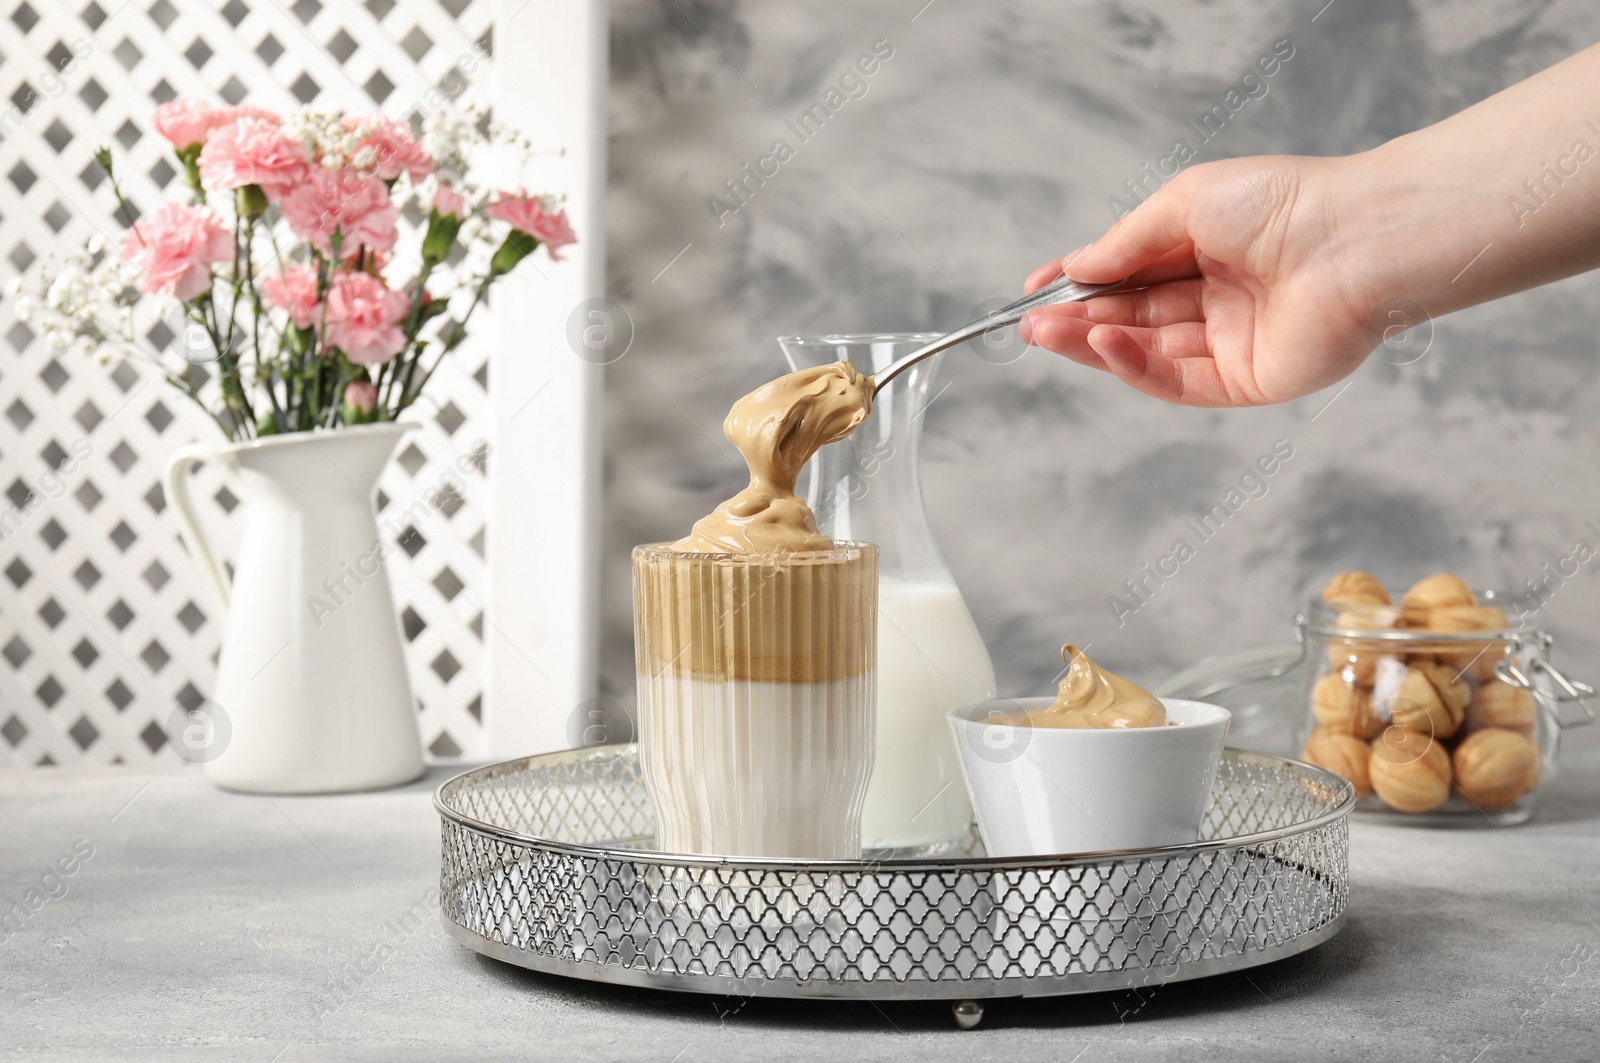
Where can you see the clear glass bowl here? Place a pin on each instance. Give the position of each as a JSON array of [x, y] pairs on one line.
[[1448, 717], [1259, 685]]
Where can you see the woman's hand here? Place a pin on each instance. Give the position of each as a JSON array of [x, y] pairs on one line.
[[1254, 290], [1263, 277]]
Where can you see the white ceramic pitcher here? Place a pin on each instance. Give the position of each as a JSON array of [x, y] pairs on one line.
[[312, 694]]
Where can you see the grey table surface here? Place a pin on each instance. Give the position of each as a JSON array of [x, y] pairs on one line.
[[197, 924]]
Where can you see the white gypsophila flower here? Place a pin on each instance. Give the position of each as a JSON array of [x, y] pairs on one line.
[[80, 304], [448, 135], [499, 133], [323, 135], [59, 295]]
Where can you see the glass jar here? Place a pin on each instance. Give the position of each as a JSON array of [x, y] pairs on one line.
[[1434, 726], [931, 657]]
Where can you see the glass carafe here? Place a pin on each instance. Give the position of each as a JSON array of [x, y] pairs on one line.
[[931, 658]]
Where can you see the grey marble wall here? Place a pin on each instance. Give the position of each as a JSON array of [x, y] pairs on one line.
[[991, 141]]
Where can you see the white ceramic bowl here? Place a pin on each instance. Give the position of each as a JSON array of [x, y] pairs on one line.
[[1041, 791]]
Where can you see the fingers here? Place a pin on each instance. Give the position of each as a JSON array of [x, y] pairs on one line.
[[1066, 336], [1048, 272], [1171, 363], [1042, 276], [1151, 232], [1164, 304], [1177, 264]]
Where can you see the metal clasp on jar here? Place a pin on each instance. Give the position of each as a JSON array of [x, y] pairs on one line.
[[1538, 644]]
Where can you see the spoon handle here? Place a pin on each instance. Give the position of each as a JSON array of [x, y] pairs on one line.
[[1061, 290]]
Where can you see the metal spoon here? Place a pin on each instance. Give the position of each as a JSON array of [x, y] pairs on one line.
[[1061, 290]]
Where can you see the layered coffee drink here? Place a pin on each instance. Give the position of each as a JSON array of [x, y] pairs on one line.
[[755, 642]]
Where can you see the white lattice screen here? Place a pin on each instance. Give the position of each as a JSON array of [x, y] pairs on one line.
[[104, 623]]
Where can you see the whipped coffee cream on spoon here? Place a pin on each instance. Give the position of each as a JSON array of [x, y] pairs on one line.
[[777, 427], [1090, 696]]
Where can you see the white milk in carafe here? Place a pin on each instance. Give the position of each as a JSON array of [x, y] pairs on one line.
[[930, 660]]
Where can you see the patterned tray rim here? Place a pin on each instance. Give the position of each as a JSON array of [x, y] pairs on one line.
[[977, 988], [1346, 803]]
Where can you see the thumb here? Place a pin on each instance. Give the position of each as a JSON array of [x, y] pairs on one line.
[[1136, 241]]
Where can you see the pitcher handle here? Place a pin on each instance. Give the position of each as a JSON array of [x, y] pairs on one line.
[[176, 484]]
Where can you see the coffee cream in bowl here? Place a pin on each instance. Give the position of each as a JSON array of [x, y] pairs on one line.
[[1090, 696], [1104, 765]]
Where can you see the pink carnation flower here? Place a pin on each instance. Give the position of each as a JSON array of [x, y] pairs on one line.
[[252, 150], [387, 150], [364, 318], [361, 395], [352, 203], [527, 213], [446, 200], [174, 249], [187, 121], [294, 290], [230, 115]]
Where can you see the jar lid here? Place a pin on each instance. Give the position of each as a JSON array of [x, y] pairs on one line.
[[1490, 620]]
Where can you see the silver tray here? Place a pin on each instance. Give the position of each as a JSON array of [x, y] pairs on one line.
[[545, 862]]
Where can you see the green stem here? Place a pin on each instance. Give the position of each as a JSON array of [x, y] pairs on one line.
[[458, 332], [229, 384], [413, 326], [341, 381], [263, 370], [319, 346], [188, 388], [103, 158], [233, 385], [423, 383], [414, 315], [379, 409]]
